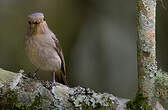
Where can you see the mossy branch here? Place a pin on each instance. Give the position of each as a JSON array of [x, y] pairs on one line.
[[22, 93]]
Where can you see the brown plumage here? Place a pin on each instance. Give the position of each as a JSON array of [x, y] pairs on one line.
[[43, 48]]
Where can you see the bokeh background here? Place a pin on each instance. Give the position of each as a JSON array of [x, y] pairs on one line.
[[98, 38], [162, 34]]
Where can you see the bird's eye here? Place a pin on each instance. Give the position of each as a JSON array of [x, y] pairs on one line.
[[29, 22], [35, 22], [44, 19]]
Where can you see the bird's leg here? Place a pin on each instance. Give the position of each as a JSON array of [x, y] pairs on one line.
[[33, 74], [36, 70], [53, 79]]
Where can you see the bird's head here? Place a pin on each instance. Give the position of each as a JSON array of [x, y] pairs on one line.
[[36, 18], [37, 23]]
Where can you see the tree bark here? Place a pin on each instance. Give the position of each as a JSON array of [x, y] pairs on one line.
[[146, 48], [18, 92]]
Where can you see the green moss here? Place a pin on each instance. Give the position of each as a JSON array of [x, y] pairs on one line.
[[138, 103], [99, 106], [36, 105], [162, 79], [9, 100]]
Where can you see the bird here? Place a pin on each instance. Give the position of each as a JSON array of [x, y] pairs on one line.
[[43, 48]]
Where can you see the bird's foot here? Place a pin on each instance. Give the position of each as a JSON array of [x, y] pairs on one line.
[[32, 75], [53, 84]]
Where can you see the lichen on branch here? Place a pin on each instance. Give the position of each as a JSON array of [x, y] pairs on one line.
[[146, 48], [32, 94]]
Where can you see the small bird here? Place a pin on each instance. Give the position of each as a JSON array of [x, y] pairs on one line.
[[43, 48]]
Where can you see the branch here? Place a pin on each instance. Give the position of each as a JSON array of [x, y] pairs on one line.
[[19, 92], [152, 84], [147, 68]]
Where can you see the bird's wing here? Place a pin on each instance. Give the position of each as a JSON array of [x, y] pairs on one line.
[[61, 76], [60, 53]]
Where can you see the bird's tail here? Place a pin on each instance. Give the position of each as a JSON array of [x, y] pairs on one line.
[[61, 77]]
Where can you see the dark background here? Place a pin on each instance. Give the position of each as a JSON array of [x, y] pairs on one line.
[[98, 38], [162, 34]]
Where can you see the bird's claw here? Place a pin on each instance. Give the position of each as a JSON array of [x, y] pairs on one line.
[[32, 75], [53, 84]]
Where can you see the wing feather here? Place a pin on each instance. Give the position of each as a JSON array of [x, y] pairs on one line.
[[60, 53]]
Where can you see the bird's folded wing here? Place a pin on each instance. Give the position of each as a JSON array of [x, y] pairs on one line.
[[60, 53]]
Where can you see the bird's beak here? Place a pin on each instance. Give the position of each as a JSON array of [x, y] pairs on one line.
[[36, 22]]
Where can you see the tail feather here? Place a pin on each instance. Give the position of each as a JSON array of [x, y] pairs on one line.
[[60, 77]]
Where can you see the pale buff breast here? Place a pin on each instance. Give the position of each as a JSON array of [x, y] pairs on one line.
[[41, 51]]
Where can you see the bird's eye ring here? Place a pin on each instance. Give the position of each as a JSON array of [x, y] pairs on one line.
[[44, 19], [29, 22]]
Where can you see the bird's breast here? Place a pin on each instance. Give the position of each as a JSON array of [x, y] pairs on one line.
[[42, 53]]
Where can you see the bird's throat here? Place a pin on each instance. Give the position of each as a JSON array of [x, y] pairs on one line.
[[38, 29]]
